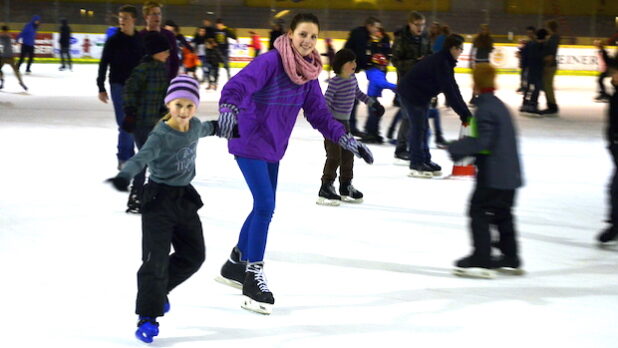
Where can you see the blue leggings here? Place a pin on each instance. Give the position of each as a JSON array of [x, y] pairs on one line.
[[261, 176]]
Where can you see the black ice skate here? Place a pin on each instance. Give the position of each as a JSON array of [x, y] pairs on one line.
[[402, 158], [508, 265], [551, 111], [233, 270], [421, 171], [257, 296], [328, 196], [608, 236], [147, 329], [436, 170], [349, 193], [472, 267]]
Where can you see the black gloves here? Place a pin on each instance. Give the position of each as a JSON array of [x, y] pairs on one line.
[[130, 119], [119, 183]]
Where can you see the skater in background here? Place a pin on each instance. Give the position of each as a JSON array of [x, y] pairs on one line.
[[340, 95], [498, 177], [549, 70], [265, 98], [181, 42], [330, 55], [190, 62], [199, 43], [410, 46], [428, 78], [222, 35], [521, 54], [482, 45], [275, 32], [28, 40], [214, 58], [143, 97], [169, 215], [256, 43], [121, 53], [6, 57], [65, 46], [611, 232], [533, 61], [376, 75], [153, 15]]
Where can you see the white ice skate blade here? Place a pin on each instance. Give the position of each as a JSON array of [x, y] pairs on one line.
[[228, 282], [401, 162], [348, 199], [511, 271], [475, 272], [328, 202], [530, 114], [437, 173], [419, 174], [254, 306]]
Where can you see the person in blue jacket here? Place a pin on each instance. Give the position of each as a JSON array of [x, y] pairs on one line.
[[376, 75], [28, 36]]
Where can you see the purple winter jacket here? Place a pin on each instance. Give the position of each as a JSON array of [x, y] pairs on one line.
[[269, 103]]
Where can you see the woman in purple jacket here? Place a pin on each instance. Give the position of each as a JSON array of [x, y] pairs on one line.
[[263, 100]]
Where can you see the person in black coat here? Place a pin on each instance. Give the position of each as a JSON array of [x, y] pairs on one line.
[[428, 78], [498, 177], [533, 59], [611, 233], [359, 41], [276, 31], [65, 45]]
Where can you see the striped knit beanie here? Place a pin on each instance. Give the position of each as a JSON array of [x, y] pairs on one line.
[[183, 86]]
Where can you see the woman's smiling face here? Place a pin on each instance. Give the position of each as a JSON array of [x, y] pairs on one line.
[[304, 37]]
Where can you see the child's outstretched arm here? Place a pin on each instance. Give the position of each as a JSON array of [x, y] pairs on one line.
[[136, 164]]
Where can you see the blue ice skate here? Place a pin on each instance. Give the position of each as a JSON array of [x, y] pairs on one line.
[[147, 329]]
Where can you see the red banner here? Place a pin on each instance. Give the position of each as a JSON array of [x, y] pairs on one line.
[[43, 45]]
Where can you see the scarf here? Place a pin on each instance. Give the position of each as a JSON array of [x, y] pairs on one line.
[[299, 69]]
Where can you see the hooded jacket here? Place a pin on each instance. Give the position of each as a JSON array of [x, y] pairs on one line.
[[28, 33]]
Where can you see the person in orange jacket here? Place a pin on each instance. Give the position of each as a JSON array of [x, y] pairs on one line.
[[255, 43]]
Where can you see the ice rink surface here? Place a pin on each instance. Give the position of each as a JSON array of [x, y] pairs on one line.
[[376, 274]]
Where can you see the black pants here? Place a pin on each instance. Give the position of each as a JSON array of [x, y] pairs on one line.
[[613, 188], [353, 127], [169, 217], [65, 57], [602, 76], [336, 157], [26, 51], [490, 206]]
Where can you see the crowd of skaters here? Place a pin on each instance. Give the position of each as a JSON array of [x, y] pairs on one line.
[[147, 84]]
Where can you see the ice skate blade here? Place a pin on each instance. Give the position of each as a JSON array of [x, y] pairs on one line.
[[401, 162], [328, 202], [258, 307], [530, 114], [348, 199], [418, 174], [474, 272], [511, 271], [228, 282], [437, 173]]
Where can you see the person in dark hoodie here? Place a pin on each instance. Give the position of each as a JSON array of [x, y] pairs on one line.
[[153, 15], [498, 177], [428, 78], [611, 233], [533, 60], [28, 36], [65, 45], [122, 52]]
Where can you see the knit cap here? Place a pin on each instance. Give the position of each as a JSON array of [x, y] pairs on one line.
[[183, 86], [155, 42]]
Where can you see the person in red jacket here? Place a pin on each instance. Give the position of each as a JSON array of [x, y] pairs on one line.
[[255, 43]]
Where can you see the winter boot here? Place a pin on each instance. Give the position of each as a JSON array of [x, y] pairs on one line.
[[608, 236], [421, 171], [233, 270], [257, 296], [473, 266], [328, 196], [349, 193], [147, 329], [436, 170]]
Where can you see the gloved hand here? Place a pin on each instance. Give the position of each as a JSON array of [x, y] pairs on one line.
[[361, 150], [130, 119], [378, 108], [227, 121], [119, 183], [465, 120]]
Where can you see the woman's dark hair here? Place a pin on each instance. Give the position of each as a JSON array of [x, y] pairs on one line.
[[453, 40], [304, 18], [343, 56]]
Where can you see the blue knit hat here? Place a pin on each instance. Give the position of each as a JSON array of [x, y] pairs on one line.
[[183, 86]]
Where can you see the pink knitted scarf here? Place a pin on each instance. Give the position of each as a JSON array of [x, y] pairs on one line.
[[299, 69]]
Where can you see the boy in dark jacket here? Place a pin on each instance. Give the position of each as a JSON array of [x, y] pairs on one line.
[[214, 58], [610, 234], [428, 78], [65, 45], [28, 39], [144, 92], [533, 58], [498, 176]]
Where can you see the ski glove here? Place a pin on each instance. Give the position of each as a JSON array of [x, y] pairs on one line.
[[361, 150], [130, 119], [228, 124], [119, 183]]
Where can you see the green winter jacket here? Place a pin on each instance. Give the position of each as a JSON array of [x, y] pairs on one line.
[[408, 49], [144, 92]]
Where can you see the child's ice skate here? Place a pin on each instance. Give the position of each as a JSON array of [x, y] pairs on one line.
[[257, 297], [421, 171], [472, 267], [233, 270], [328, 196], [349, 193], [147, 329]]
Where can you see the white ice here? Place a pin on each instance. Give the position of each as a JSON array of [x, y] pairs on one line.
[[376, 274]]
